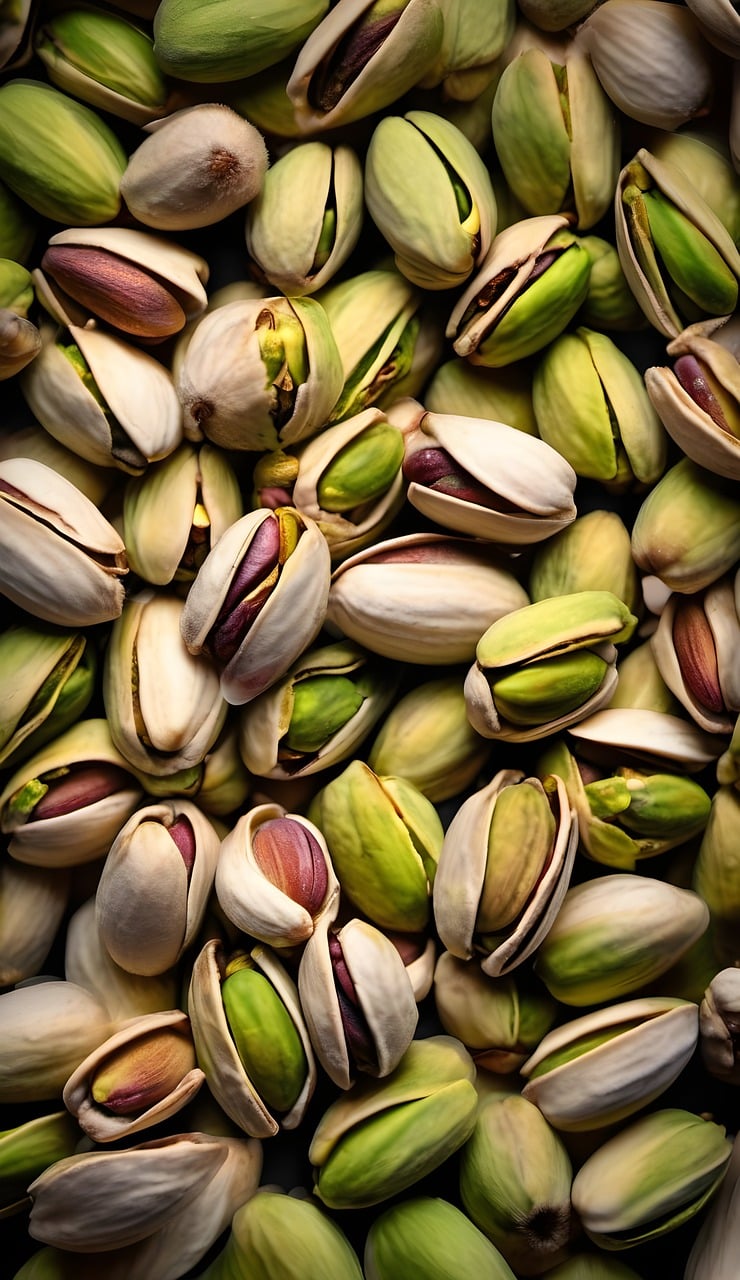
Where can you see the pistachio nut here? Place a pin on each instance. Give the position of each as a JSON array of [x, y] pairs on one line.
[[251, 1039], [704, 156], [363, 55], [192, 41], [641, 685], [615, 934], [593, 553], [697, 400], [714, 1252], [645, 738], [427, 738], [259, 599], [15, 29], [65, 804], [716, 874], [62, 561], [47, 678], [307, 217], [349, 480], [139, 1076], [177, 510], [604, 1066], [274, 876], [515, 1179], [431, 1234], [504, 868], [555, 15], [384, 839], [679, 259], [16, 287], [651, 61], [430, 195], [547, 665], [17, 226], [47, 1028], [486, 479], [687, 530], [382, 1136], [136, 282], [33, 901], [58, 155], [534, 279], [20, 343], [357, 1000], [175, 1195], [105, 60], [33, 441], [719, 23], [627, 814], [499, 1020], [258, 374], [125, 995], [610, 303], [155, 884], [719, 1026], [556, 132], [651, 1177], [419, 954], [163, 702], [318, 714], [476, 392], [103, 398], [695, 646], [613, 434], [284, 1237], [439, 593], [27, 1149], [473, 38]]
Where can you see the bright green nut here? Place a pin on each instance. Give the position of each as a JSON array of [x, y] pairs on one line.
[[16, 287], [322, 705], [519, 841], [697, 270], [265, 1036], [661, 805], [430, 1238], [47, 682], [282, 344], [27, 1150], [284, 1237], [545, 690], [207, 43], [363, 470], [104, 49], [58, 155]]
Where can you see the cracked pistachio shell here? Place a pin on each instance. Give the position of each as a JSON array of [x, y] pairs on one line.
[[707, 433], [613, 434], [185, 1186], [382, 1136], [695, 645], [651, 60], [384, 838], [35, 1066], [62, 560], [155, 884], [385, 1004], [194, 41], [307, 218], [523, 315], [697, 239], [362, 57], [139, 419], [149, 1064], [20, 343], [264, 727], [719, 23], [47, 681], [646, 738], [594, 553], [287, 623], [651, 1177], [402, 583], [532, 638], [598, 1069], [177, 511], [615, 934], [284, 1237], [460, 881], [431, 1234], [430, 195], [556, 132], [498, 1022], [163, 702], [531, 482], [230, 394], [704, 156], [687, 530], [216, 1050], [29, 1148], [125, 995], [714, 1253], [719, 1024], [251, 900], [350, 530], [33, 901], [515, 1179], [82, 831]]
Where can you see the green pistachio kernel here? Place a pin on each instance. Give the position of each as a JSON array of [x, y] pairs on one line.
[[321, 707], [552, 687], [266, 1038]]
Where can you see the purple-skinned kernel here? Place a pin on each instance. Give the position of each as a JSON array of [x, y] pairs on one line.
[[250, 588], [183, 835], [435, 469], [360, 1043], [698, 382], [77, 788], [696, 654], [291, 858]]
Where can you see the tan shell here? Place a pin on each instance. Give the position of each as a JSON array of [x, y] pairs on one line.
[[653, 738], [693, 430]]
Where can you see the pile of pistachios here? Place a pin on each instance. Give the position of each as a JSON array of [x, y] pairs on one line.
[[370, 663]]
